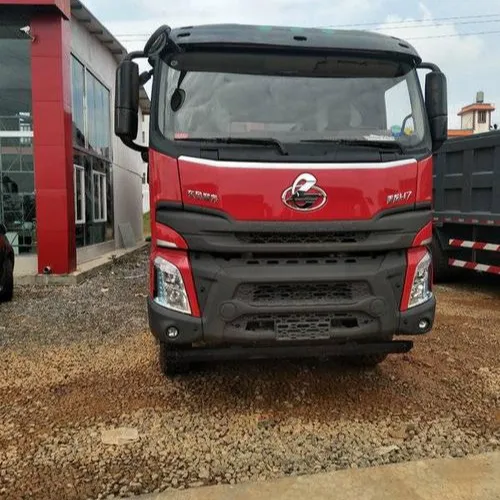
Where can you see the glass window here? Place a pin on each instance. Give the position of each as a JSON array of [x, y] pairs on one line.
[[92, 158], [291, 99], [79, 183], [91, 119], [91, 111], [17, 184], [99, 187], [98, 102], [398, 109], [78, 101]]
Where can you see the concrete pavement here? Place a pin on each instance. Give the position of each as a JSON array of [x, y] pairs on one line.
[[26, 268], [473, 478]]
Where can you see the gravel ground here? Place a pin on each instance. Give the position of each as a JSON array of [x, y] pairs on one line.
[[78, 362]]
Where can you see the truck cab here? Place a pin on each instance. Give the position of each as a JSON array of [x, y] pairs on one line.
[[291, 191]]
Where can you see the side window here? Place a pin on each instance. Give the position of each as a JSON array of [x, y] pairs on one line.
[[99, 190], [79, 186], [398, 108]]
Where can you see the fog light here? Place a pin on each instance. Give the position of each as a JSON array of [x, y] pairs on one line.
[[423, 324], [172, 332]]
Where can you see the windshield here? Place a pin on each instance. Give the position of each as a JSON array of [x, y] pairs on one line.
[[379, 101]]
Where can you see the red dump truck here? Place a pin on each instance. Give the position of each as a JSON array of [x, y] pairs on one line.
[[291, 191]]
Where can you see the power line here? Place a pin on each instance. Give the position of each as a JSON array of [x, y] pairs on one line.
[[454, 35], [396, 25], [435, 24], [140, 37], [453, 18]]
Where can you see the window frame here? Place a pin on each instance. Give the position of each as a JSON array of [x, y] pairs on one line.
[[103, 198], [482, 113], [88, 72], [80, 170], [163, 134]]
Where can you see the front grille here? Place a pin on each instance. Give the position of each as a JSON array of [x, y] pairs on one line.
[[300, 326], [301, 238], [278, 259], [268, 294]]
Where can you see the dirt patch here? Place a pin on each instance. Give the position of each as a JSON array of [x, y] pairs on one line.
[[76, 361]]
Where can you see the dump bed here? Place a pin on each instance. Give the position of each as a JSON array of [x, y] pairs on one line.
[[467, 180]]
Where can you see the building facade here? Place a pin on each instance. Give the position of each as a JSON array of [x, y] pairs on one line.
[[476, 118], [70, 190]]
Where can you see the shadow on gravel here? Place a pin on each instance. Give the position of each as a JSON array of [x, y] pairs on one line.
[[303, 388], [468, 281]]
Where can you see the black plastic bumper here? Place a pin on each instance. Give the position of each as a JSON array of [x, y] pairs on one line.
[[409, 323], [191, 328], [161, 319]]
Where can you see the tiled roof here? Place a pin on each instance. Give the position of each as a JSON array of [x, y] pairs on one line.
[[476, 107], [460, 132]]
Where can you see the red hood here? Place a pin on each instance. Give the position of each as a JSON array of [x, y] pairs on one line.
[[263, 191]]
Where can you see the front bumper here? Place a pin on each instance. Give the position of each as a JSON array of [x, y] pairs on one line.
[[300, 302], [191, 329]]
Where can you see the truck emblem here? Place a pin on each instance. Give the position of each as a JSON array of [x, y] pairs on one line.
[[399, 197], [304, 195], [203, 196]]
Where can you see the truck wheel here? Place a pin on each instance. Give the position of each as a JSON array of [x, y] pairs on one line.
[[7, 292], [442, 270], [171, 360], [366, 360]]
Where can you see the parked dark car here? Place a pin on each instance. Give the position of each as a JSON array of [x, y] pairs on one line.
[[6, 266]]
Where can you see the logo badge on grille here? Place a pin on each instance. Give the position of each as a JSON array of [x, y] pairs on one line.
[[304, 195]]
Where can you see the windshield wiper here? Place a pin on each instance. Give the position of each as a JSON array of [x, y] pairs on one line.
[[392, 145], [265, 141]]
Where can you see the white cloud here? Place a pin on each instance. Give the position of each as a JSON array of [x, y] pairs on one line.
[[466, 60], [277, 12], [270, 12]]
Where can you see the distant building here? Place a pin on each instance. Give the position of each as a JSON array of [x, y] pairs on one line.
[[475, 118], [70, 190]]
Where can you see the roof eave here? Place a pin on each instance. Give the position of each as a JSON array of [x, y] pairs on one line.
[[83, 15]]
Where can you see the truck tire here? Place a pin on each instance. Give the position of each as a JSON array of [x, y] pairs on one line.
[[171, 360], [366, 360], [7, 292], [442, 270]]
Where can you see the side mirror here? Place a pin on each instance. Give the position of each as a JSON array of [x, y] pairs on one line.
[[436, 103], [3, 229], [127, 101]]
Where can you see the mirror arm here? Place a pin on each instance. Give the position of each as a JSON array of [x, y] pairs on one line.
[[132, 145], [145, 77], [431, 66], [138, 54]]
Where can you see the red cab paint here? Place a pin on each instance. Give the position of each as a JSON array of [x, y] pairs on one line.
[[254, 191], [424, 236], [425, 180]]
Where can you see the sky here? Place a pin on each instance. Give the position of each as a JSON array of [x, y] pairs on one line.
[[450, 33]]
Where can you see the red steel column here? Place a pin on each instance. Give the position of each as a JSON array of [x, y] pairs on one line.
[[53, 143]]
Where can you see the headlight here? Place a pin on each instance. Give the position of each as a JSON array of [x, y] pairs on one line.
[[421, 290], [170, 289]]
